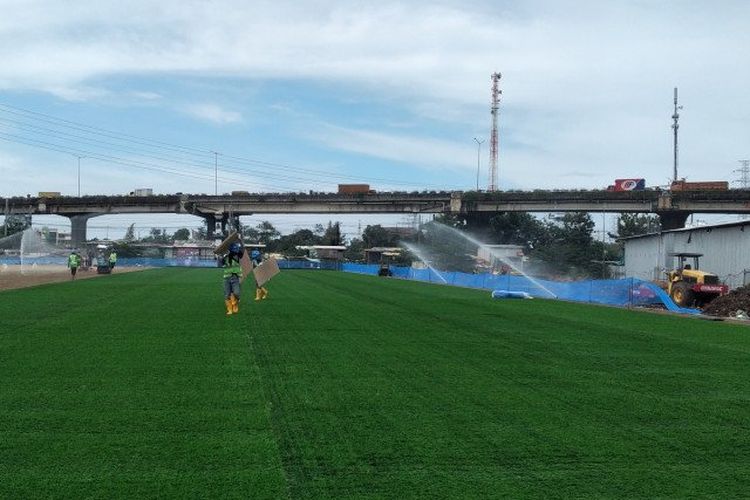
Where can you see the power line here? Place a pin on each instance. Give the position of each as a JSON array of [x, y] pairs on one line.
[[46, 132], [187, 150], [76, 138], [120, 161]]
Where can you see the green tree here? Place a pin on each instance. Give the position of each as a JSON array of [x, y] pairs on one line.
[[355, 250], [444, 249], [287, 244], [567, 246], [332, 234], [378, 236], [250, 234], [14, 224], [516, 228], [266, 232], [182, 234], [157, 235], [636, 224]]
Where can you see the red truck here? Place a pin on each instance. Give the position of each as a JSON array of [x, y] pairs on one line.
[[682, 185], [355, 189], [628, 185]]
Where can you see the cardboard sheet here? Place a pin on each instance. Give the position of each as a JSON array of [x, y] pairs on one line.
[[265, 271], [223, 247]]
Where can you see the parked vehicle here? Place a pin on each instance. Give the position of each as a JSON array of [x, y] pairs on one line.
[[689, 286], [628, 185], [142, 192], [355, 189], [683, 185]]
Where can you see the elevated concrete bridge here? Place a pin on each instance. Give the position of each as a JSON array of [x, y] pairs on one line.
[[672, 207]]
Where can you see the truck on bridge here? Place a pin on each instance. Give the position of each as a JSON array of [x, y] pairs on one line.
[[682, 185], [355, 189]]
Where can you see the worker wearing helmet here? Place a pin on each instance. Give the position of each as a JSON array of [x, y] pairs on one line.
[[257, 258], [112, 260], [232, 276], [74, 262]]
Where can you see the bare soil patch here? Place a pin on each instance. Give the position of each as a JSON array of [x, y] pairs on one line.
[[21, 277]]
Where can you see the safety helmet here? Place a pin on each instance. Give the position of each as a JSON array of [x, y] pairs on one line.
[[235, 248]]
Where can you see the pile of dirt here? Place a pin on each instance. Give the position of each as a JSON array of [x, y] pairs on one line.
[[729, 304]]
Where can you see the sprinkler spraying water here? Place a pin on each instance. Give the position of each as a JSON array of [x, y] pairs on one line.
[[474, 241], [413, 249], [29, 246]]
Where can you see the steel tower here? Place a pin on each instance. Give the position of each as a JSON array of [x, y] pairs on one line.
[[494, 135]]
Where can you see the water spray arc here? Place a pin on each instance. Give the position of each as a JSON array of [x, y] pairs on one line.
[[420, 255], [489, 248]]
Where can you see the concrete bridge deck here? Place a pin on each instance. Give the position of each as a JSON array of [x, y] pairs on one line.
[[672, 207]]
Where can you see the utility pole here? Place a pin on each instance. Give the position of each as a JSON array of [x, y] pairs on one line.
[[675, 127], [479, 154], [744, 180], [216, 173], [744, 171], [79, 173], [494, 110]]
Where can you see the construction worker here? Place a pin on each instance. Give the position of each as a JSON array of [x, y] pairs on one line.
[[112, 259], [74, 262], [232, 276], [260, 291]]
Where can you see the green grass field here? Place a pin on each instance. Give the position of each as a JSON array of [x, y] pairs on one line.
[[352, 386]]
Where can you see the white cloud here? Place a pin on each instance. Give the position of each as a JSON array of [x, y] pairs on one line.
[[421, 152], [595, 77], [145, 95], [213, 113]]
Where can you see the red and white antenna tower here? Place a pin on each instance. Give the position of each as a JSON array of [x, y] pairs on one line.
[[493, 137]]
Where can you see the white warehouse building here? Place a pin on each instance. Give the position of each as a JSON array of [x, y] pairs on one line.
[[725, 249]]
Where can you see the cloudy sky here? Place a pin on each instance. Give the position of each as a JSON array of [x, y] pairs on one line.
[[304, 95]]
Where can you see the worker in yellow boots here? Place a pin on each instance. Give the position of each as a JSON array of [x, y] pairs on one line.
[[232, 277], [260, 291]]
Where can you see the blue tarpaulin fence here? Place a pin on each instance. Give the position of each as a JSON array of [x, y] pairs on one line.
[[628, 292]]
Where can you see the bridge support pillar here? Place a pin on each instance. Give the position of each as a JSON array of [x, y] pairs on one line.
[[210, 226], [78, 228], [673, 219], [216, 225]]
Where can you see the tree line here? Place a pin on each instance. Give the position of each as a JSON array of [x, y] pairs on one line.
[[560, 244]]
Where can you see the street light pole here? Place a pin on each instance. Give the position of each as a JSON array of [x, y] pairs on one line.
[[479, 153], [79, 173], [216, 173]]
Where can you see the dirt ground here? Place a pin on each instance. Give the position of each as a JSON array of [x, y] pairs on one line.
[[20, 277], [728, 305]]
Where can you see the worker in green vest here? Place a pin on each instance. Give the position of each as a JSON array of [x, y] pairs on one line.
[[232, 275], [112, 259], [74, 262]]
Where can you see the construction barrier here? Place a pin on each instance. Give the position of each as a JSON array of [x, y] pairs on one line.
[[627, 292]]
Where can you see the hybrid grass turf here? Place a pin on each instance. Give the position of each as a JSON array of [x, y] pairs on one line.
[[352, 386]]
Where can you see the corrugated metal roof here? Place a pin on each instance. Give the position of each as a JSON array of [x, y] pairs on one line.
[[687, 229]]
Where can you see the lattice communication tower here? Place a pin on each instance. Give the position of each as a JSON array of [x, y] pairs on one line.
[[495, 110]]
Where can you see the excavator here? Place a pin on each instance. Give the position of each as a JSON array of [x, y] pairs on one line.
[[689, 286]]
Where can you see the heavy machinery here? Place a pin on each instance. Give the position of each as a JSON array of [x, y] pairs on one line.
[[689, 286], [102, 259]]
